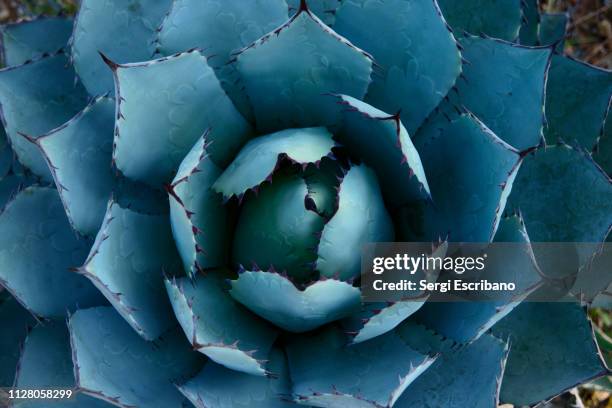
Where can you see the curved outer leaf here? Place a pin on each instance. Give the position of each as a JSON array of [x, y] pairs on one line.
[[504, 86], [577, 97], [218, 327], [198, 218], [468, 321], [30, 39], [126, 264], [418, 54], [114, 364], [563, 196], [79, 157], [382, 142], [33, 104], [95, 30], [326, 373], [286, 72], [46, 363], [259, 158], [361, 218], [276, 229], [552, 349], [499, 19], [379, 318], [220, 28], [184, 99], [553, 30], [464, 377], [216, 386], [470, 172], [324, 9], [277, 300], [15, 324], [37, 247]]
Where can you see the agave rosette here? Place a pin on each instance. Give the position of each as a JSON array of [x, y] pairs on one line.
[[187, 186]]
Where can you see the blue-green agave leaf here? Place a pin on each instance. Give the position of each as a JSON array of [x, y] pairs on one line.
[[529, 34], [260, 158], [563, 196], [197, 215], [286, 72], [30, 39], [324, 9], [219, 327], [602, 153], [46, 363], [327, 373], [419, 57], [551, 350], [467, 321], [470, 173], [78, 154], [222, 29], [95, 30], [16, 321], [37, 248], [276, 230], [382, 142], [126, 263], [184, 99], [503, 85], [35, 98], [577, 97], [461, 377], [552, 30], [11, 184], [361, 218], [499, 19], [375, 319], [113, 363], [216, 386], [278, 300]]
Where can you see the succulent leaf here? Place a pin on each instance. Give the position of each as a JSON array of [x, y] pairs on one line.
[[221, 29], [95, 30], [499, 19], [78, 155], [216, 386], [530, 23], [286, 72], [46, 363], [382, 142], [184, 99], [200, 222], [126, 263], [419, 57], [30, 39], [575, 114], [113, 363], [276, 230], [552, 30], [37, 249], [602, 153], [277, 300], [361, 218], [259, 158], [327, 373], [230, 336], [563, 196], [552, 349], [37, 97], [470, 172], [16, 321], [504, 86], [445, 383], [324, 9]]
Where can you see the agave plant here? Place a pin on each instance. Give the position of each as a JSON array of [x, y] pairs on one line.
[[187, 186]]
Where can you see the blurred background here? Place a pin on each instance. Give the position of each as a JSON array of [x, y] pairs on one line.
[[589, 38]]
